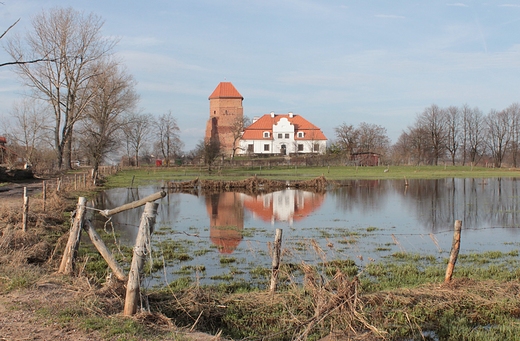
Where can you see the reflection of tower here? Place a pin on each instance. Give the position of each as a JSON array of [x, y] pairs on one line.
[[226, 216], [225, 108], [286, 205]]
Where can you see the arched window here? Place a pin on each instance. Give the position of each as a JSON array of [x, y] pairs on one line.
[[266, 134]]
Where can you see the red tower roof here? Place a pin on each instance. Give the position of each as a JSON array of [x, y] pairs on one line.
[[225, 90]]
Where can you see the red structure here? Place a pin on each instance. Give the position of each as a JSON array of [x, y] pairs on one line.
[[225, 107], [365, 158]]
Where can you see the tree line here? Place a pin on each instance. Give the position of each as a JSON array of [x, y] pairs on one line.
[[81, 102], [458, 135], [461, 135]]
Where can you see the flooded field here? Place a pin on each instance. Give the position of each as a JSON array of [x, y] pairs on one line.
[[226, 236]]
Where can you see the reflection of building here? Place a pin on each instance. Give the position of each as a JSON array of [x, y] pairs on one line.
[[282, 134], [286, 205], [226, 212], [226, 216]]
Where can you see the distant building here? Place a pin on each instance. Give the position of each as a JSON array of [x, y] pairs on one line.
[[282, 134], [225, 108], [365, 158]]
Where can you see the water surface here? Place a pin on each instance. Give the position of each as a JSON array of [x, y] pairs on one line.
[[362, 220]]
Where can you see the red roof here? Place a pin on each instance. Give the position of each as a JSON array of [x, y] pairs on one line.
[[225, 90], [3, 139], [265, 123]]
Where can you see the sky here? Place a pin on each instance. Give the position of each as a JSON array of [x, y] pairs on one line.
[[331, 61]]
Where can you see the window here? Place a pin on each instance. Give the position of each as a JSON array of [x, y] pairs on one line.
[[280, 136], [250, 148], [266, 147], [286, 136], [316, 147], [300, 134], [300, 147], [266, 134]]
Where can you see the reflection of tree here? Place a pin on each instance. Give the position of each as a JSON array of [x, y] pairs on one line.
[[363, 195], [479, 203]]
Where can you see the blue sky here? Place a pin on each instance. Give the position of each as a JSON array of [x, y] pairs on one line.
[[331, 61]]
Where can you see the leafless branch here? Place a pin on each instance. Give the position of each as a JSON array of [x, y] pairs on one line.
[[10, 27]]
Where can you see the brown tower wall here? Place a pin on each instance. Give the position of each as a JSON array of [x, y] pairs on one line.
[[223, 113]]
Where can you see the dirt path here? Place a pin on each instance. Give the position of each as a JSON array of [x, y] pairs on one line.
[[15, 189]]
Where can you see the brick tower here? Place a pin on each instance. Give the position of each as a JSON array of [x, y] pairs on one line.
[[225, 107]]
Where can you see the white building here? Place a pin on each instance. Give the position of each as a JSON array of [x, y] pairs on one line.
[[282, 134]]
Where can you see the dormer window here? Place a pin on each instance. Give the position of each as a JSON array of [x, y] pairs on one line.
[[266, 134], [300, 134]]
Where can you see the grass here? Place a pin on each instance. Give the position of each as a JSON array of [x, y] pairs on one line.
[[148, 175]]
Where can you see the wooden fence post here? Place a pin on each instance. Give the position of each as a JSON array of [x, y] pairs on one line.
[[25, 209], [141, 250], [69, 255], [44, 194], [276, 259], [104, 251], [455, 246]]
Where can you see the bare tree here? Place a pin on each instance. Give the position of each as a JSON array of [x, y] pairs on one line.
[[466, 114], [418, 144], [347, 138], [514, 145], [169, 142], [372, 138], [474, 132], [237, 129], [30, 129], [209, 150], [498, 134], [69, 45], [453, 131], [136, 130], [433, 121], [113, 95]]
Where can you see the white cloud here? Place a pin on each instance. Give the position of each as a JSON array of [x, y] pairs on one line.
[[457, 4], [389, 16]]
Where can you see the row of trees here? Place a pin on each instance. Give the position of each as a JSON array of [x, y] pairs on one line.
[[31, 132], [461, 134], [81, 98]]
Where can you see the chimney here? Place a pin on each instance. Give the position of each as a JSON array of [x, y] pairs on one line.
[[272, 114], [255, 119], [290, 114]]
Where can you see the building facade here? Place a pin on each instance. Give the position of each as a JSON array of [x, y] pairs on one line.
[[282, 134], [225, 108]]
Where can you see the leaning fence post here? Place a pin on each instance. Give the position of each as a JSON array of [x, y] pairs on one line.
[[25, 209], [104, 251], [276, 259], [141, 250], [69, 255], [455, 246], [44, 194]]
